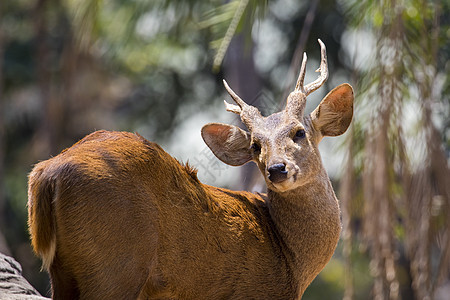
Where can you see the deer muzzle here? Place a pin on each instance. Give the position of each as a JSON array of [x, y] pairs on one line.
[[277, 172]]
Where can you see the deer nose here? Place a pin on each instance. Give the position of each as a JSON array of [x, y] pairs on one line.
[[277, 173]]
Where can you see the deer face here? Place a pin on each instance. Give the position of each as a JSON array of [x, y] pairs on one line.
[[284, 145], [284, 151]]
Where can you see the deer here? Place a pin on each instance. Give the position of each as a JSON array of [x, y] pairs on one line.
[[116, 217]]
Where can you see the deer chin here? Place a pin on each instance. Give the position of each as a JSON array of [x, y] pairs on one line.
[[286, 185]]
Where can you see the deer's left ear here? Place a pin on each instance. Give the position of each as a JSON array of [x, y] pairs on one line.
[[334, 114]]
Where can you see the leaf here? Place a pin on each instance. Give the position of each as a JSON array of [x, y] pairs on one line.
[[226, 21]]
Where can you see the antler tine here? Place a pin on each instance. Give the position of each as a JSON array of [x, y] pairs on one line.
[[323, 69], [250, 115], [301, 76], [237, 109]]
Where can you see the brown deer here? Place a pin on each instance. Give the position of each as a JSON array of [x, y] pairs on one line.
[[116, 217]]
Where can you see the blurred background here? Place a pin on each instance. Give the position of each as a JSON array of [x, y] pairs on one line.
[[70, 67]]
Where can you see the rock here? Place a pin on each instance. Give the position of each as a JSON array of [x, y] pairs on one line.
[[13, 286]]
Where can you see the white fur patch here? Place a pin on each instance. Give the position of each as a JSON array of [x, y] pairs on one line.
[[49, 255]]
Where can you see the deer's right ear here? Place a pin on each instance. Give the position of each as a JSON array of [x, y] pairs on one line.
[[229, 143]]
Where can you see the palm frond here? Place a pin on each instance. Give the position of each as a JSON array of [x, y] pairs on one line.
[[227, 20]]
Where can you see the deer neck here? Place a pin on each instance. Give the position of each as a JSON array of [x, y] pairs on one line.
[[308, 223]]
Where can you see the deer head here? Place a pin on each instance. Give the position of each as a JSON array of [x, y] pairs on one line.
[[284, 145]]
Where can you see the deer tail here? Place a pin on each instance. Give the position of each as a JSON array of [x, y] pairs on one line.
[[41, 220]]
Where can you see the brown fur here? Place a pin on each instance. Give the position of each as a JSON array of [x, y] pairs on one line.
[[116, 217], [121, 231], [128, 219]]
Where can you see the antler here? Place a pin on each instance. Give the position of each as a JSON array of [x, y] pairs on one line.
[[237, 109], [249, 114], [297, 99], [323, 69]]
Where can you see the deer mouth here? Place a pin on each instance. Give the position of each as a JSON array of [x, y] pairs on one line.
[[283, 179]]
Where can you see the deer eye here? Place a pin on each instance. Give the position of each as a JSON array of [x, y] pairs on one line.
[[300, 134], [256, 148]]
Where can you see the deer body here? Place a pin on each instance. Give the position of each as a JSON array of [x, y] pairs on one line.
[[116, 217]]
